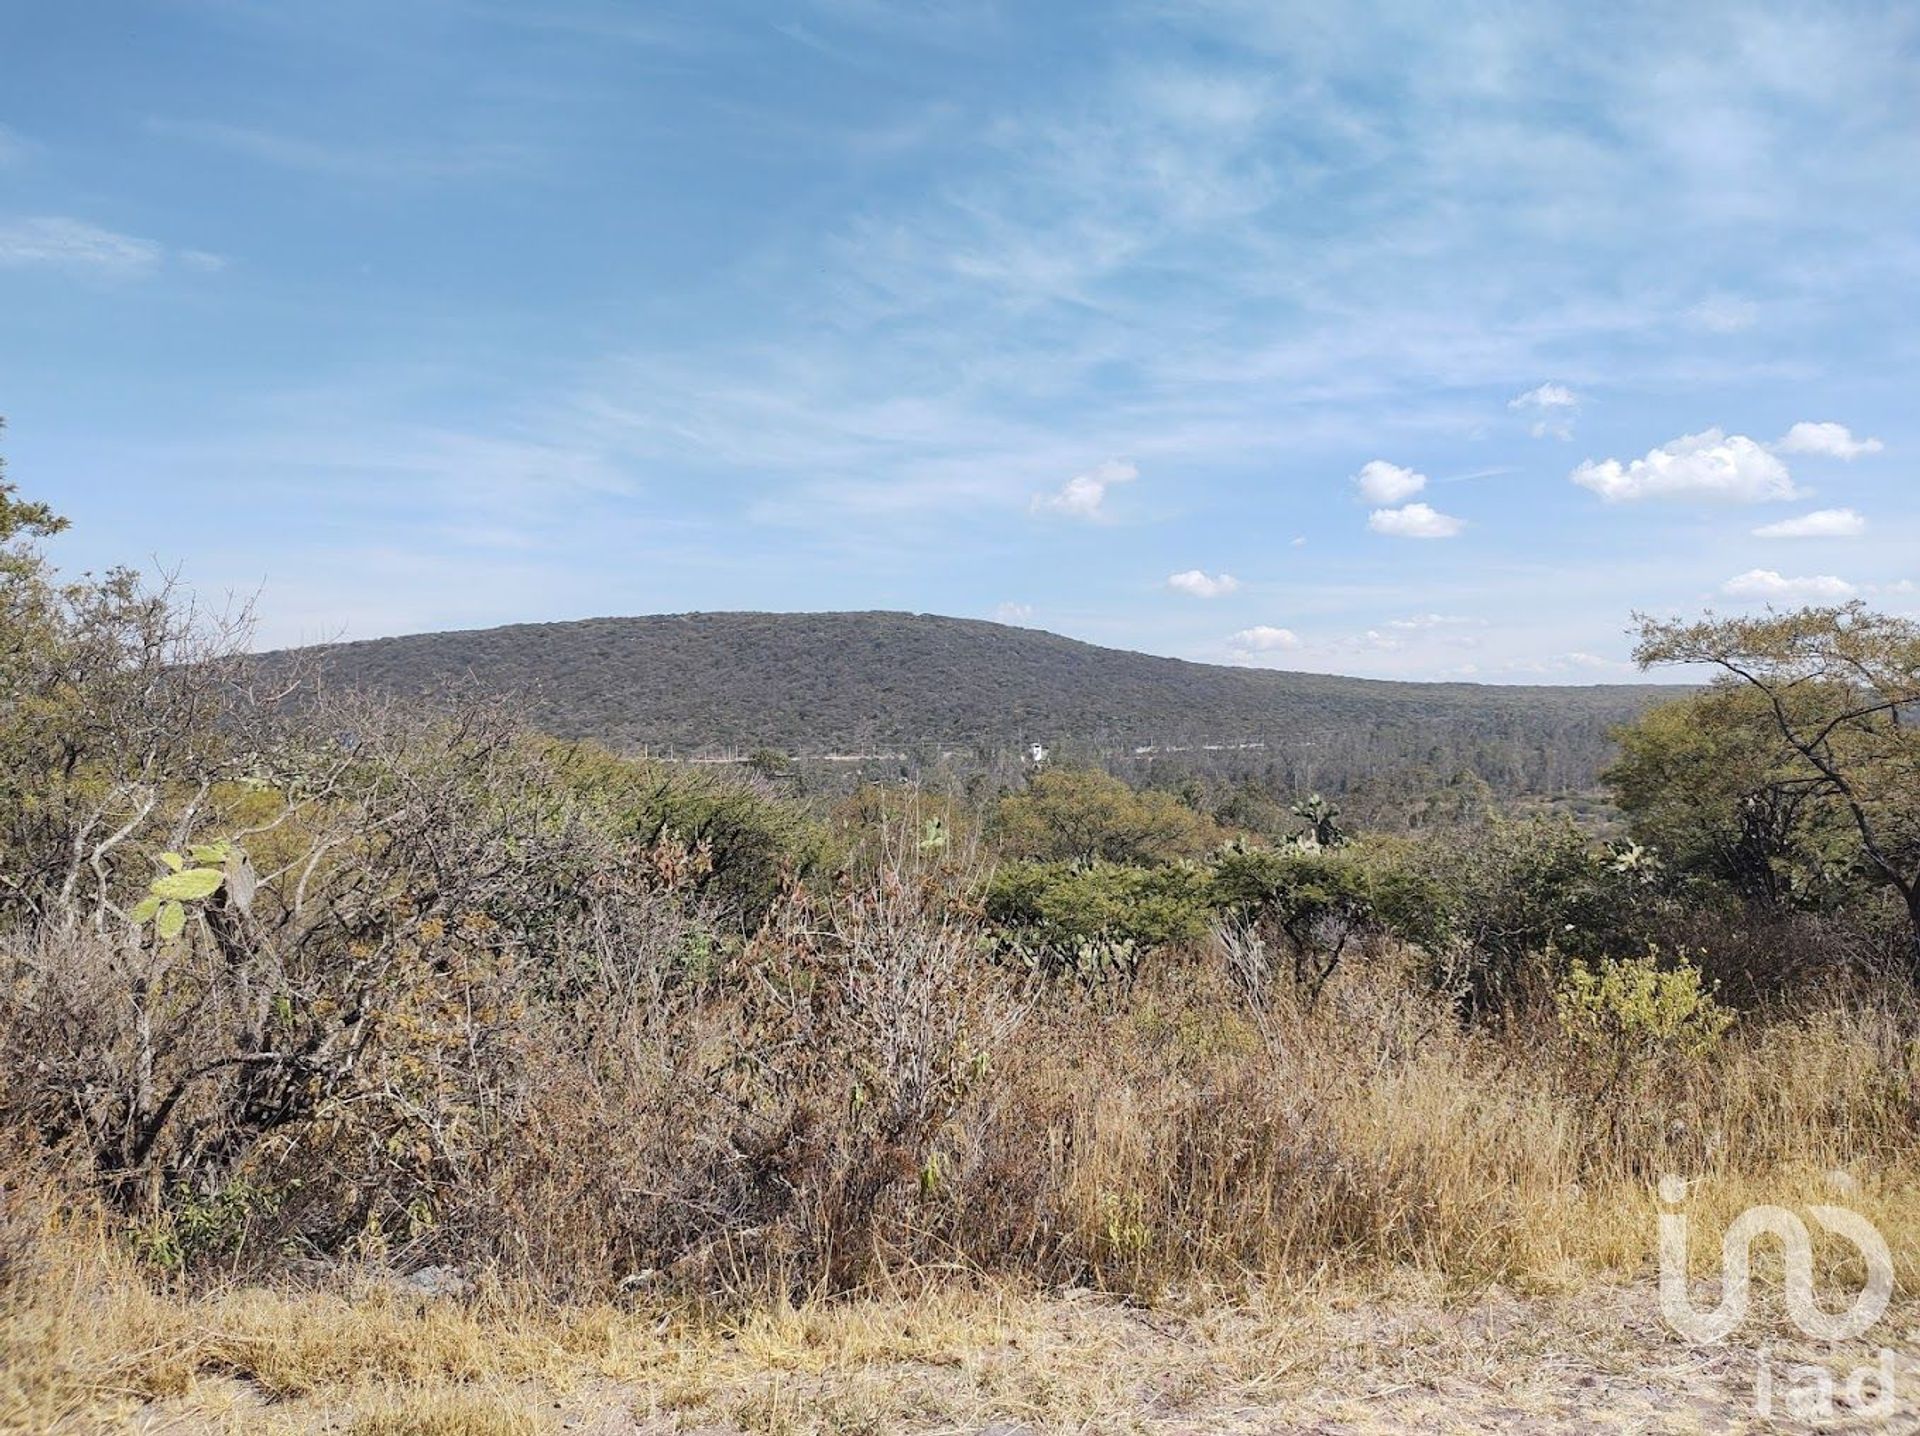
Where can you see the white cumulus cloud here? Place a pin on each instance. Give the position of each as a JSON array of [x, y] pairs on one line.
[[1833, 441], [1382, 483], [1709, 465], [1084, 495], [1015, 613], [1552, 406], [1821, 523], [1417, 521], [1264, 638], [1765, 583], [1201, 584]]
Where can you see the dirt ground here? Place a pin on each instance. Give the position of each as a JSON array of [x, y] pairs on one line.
[[1598, 1361]]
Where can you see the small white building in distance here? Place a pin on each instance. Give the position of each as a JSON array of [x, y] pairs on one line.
[[1037, 752]]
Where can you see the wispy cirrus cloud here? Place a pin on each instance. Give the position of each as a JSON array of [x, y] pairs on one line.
[[1428, 621], [1770, 585], [65, 243], [1551, 407], [1723, 314], [1820, 524], [380, 158], [1039, 270]]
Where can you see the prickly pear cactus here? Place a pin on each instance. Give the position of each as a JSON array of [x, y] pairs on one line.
[[191, 878]]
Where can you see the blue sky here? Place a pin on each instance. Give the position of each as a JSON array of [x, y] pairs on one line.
[[1421, 341]]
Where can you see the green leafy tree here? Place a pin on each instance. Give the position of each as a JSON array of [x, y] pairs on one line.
[[1842, 689], [1710, 785], [1084, 816], [22, 521], [111, 692], [773, 765], [1319, 899]]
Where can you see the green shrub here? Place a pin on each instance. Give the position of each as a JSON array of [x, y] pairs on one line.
[[1640, 1007], [1511, 896], [194, 1227], [1079, 815], [754, 845], [1295, 886], [1100, 918]]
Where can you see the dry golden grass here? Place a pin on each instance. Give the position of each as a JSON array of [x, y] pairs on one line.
[[446, 1414], [1172, 1146], [1353, 1198], [1399, 1354]]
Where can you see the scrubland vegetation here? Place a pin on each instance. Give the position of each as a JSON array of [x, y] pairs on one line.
[[656, 1075]]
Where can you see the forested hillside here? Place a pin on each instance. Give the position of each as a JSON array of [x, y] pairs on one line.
[[920, 685]]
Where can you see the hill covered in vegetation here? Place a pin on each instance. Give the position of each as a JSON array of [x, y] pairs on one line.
[[812, 684]]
